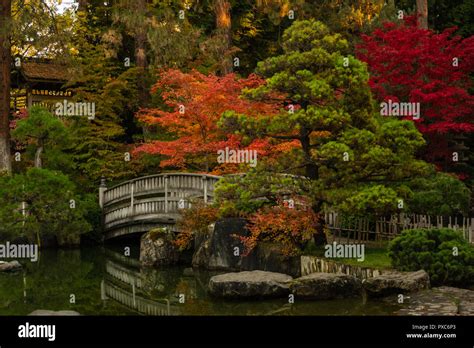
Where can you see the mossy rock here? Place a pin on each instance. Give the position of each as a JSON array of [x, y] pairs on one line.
[[160, 232]]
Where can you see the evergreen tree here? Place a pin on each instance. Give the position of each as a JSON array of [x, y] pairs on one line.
[[42, 203], [40, 130], [353, 159]]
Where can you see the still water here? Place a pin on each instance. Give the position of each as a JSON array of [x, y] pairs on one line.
[[104, 282]]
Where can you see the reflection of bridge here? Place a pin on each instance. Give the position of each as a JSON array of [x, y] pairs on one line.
[[138, 205], [122, 285]]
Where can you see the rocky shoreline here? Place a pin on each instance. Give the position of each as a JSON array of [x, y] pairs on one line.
[[442, 300], [315, 286], [418, 297], [267, 273]]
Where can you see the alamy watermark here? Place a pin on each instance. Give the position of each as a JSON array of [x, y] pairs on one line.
[[392, 108], [37, 331], [19, 251], [345, 251], [70, 108], [237, 156]]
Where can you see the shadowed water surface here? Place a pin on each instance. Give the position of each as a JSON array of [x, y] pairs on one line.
[[105, 282]]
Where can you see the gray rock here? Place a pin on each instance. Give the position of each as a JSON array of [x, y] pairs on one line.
[[53, 313], [215, 249], [443, 300], [324, 286], [157, 248], [396, 283], [270, 257], [10, 266], [254, 284]]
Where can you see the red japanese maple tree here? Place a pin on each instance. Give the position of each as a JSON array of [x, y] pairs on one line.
[[195, 103], [409, 64]]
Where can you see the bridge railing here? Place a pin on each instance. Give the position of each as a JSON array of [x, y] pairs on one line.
[[136, 205], [155, 195], [161, 182]]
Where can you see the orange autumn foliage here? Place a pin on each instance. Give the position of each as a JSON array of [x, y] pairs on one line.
[[195, 103], [291, 228], [196, 219]]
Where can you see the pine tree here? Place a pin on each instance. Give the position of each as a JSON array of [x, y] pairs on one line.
[[353, 159]]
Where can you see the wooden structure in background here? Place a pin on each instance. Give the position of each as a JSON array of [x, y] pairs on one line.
[[380, 229], [38, 82]]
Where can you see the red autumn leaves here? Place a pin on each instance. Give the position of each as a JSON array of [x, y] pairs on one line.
[[409, 64], [193, 105], [406, 64]]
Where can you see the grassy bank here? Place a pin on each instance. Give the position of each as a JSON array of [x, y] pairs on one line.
[[375, 257]]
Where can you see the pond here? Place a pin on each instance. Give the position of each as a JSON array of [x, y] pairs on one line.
[[104, 282]]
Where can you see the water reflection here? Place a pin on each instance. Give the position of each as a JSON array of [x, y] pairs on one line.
[[157, 292], [105, 282], [128, 287]]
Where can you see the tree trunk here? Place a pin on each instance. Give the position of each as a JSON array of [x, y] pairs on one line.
[[312, 172], [310, 166], [319, 237], [39, 152], [5, 66], [140, 38], [422, 12], [140, 54], [224, 25], [141, 61], [140, 51], [82, 5]]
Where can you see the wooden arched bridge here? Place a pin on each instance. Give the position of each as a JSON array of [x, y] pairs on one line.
[[138, 205], [141, 204]]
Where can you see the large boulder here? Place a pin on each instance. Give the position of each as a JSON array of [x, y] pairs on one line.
[[270, 257], [254, 284], [325, 286], [10, 266], [157, 248], [220, 248], [396, 283]]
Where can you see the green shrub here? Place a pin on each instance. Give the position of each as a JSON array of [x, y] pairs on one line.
[[438, 194], [48, 196], [434, 250]]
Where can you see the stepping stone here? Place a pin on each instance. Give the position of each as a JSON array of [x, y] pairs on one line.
[[396, 283], [253, 284], [444, 300], [324, 286]]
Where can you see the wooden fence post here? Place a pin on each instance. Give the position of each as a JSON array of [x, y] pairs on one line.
[[166, 193]]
